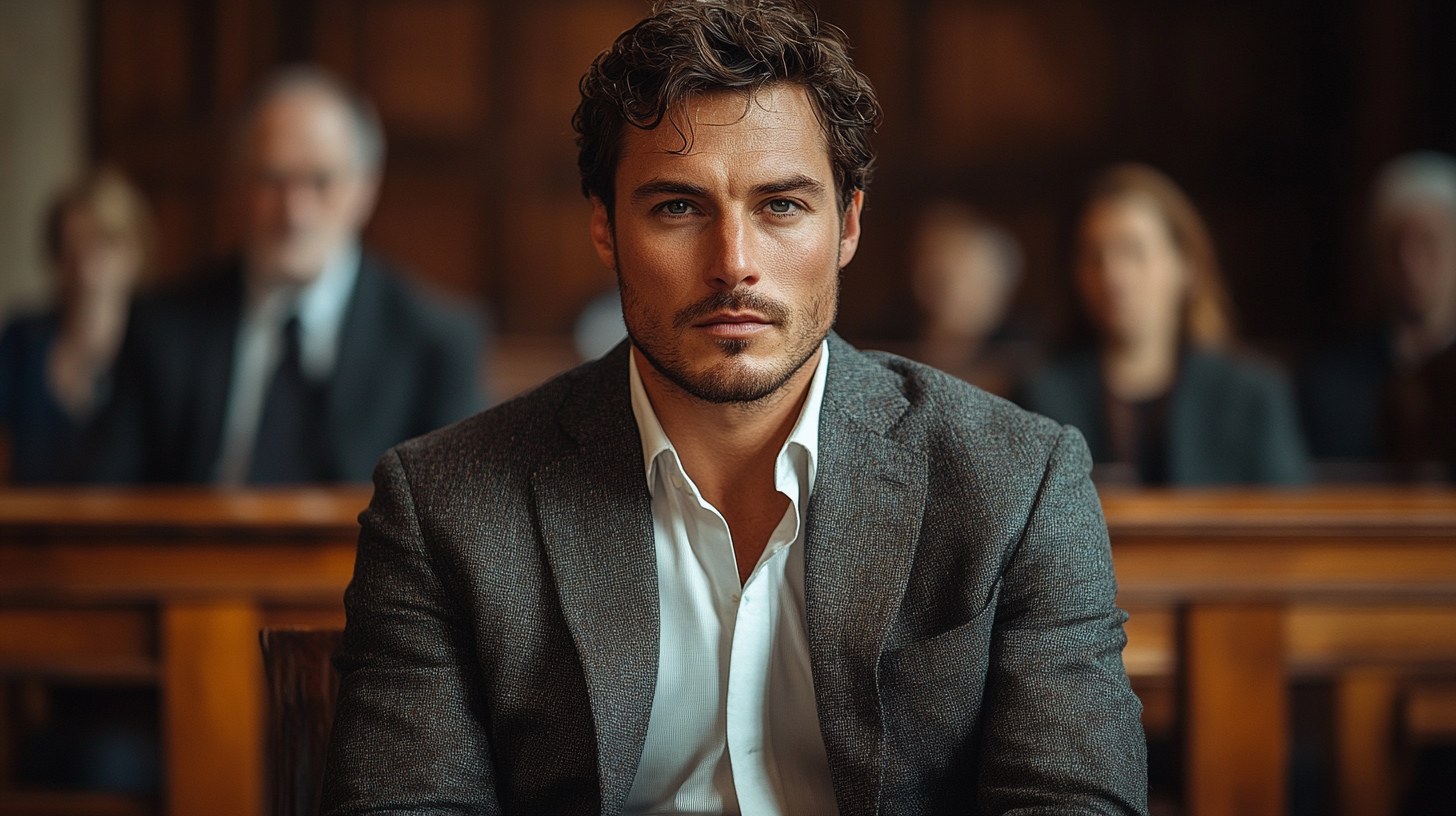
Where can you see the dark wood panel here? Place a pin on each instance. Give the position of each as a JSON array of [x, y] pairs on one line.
[[146, 68], [423, 63], [433, 223], [1013, 77]]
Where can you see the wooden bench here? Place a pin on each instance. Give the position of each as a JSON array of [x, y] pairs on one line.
[[171, 586], [1237, 592], [1232, 595]]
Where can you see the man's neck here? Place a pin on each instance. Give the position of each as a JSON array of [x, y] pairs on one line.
[[730, 450]]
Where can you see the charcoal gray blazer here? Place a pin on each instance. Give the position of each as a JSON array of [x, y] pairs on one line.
[[502, 643]]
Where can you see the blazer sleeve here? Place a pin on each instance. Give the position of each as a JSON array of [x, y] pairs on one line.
[[409, 735], [459, 350], [1062, 731]]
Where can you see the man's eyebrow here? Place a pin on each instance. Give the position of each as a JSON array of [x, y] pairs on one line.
[[793, 184], [658, 187]]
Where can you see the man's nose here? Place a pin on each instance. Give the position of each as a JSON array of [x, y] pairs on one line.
[[299, 202], [736, 254]]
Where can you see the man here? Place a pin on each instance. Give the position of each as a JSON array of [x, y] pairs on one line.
[[1390, 395], [964, 272], [302, 358], [735, 565]]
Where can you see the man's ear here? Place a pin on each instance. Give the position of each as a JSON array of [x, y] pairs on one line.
[[601, 233], [849, 235], [368, 199]]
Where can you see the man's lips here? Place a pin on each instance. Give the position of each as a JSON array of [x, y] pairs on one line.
[[733, 324], [736, 317]]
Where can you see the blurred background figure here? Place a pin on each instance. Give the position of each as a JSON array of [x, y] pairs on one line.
[[1158, 394], [1391, 394], [303, 357], [965, 273], [55, 367], [599, 327]]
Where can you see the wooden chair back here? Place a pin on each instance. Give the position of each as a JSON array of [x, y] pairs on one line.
[[302, 687]]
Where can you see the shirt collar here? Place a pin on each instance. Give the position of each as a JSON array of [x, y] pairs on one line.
[[805, 433], [319, 305]]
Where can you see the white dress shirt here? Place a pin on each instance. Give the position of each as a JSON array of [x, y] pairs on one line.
[[320, 308], [733, 727]]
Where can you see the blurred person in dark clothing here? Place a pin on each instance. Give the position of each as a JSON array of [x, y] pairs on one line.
[[55, 366], [1390, 395], [303, 357], [965, 272], [1159, 396]]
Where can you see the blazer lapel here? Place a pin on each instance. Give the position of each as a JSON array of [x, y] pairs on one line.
[[596, 522], [357, 388], [217, 337], [864, 519]]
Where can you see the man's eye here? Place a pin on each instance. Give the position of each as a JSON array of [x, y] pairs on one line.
[[677, 208], [781, 206]]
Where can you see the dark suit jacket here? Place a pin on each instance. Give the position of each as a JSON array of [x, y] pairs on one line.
[[1232, 420], [406, 365], [1340, 390], [502, 643]]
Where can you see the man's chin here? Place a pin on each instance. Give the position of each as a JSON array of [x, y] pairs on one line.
[[734, 371], [288, 269]]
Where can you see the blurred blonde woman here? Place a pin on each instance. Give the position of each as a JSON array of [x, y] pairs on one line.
[[1159, 395], [55, 366]]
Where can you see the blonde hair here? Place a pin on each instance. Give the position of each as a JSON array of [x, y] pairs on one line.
[[119, 208], [1207, 311]]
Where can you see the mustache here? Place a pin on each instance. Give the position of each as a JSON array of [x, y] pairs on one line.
[[735, 301]]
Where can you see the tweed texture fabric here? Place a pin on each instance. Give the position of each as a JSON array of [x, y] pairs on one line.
[[501, 648]]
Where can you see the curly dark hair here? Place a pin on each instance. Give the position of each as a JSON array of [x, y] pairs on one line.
[[692, 47]]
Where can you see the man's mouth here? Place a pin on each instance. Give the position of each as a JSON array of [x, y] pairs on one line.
[[733, 324]]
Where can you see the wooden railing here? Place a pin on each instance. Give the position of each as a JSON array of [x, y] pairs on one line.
[[171, 586], [1232, 594]]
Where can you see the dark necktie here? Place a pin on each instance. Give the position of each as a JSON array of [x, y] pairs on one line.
[[289, 447]]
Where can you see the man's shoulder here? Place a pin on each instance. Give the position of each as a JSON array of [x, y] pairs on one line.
[[937, 407], [531, 427], [410, 303]]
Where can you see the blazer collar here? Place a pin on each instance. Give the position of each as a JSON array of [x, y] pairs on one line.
[[864, 520], [596, 523]]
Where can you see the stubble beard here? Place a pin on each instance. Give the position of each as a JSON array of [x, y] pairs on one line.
[[732, 379]]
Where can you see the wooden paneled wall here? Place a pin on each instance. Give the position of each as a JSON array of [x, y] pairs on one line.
[[1272, 114]]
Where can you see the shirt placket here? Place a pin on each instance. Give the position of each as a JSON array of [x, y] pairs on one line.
[[755, 779]]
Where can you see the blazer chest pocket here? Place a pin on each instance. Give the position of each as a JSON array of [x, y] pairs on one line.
[[931, 690]]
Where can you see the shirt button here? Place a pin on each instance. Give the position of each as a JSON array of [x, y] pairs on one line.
[[734, 597]]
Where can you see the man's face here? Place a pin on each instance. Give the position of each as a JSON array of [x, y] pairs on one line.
[[304, 191], [1418, 249], [729, 254]]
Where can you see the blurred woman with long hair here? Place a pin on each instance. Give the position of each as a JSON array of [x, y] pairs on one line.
[[1159, 395], [55, 366]]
